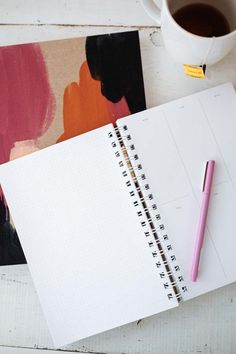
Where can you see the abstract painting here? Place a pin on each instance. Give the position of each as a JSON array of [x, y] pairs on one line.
[[52, 91]]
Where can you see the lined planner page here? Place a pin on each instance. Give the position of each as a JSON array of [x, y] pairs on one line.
[[174, 141], [83, 242]]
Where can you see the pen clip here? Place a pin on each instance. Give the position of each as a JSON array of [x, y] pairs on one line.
[[204, 181]]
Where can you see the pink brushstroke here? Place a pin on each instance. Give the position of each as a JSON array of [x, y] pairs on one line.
[[22, 148], [26, 100], [118, 110]]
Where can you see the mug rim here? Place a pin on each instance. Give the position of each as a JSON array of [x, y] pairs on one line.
[[166, 2]]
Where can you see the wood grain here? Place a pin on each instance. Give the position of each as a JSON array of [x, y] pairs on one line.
[[74, 12], [14, 350]]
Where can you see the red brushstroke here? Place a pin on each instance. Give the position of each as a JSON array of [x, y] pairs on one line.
[[26, 100]]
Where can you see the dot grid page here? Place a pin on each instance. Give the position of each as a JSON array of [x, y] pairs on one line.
[[174, 142], [83, 242]]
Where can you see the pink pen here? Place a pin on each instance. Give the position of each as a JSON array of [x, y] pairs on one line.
[[206, 192]]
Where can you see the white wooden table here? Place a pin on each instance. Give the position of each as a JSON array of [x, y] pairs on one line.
[[204, 325]]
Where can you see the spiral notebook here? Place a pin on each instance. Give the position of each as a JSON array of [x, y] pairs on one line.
[[114, 213]]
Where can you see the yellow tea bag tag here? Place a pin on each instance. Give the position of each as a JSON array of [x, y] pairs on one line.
[[195, 71]]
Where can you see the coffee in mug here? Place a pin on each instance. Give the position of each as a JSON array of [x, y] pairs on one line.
[[195, 32], [202, 19]]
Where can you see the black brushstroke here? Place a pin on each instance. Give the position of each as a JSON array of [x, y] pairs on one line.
[[115, 60], [10, 248]]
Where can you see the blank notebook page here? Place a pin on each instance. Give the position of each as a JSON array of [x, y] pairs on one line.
[[80, 232], [174, 141]]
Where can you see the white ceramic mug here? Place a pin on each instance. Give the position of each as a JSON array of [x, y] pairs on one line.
[[188, 48]]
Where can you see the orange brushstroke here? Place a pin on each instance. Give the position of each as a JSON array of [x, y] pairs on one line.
[[84, 107]]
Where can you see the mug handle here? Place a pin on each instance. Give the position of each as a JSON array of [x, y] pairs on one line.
[[152, 10]]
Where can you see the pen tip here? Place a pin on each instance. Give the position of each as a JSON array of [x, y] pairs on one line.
[[194, 275]]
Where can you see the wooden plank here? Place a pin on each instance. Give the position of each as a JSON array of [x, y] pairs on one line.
[[15, 350], [33, 33], [164, 78], [21, 319], [82, 12]]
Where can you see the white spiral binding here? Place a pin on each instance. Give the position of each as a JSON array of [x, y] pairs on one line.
[[147, 211]]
